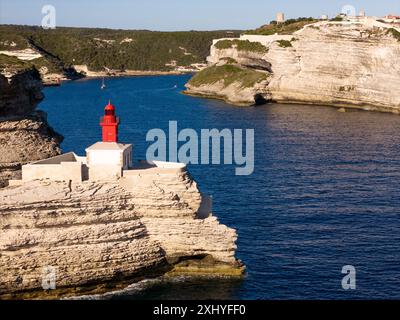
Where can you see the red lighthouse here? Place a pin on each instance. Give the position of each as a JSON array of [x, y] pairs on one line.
[[109, 124]]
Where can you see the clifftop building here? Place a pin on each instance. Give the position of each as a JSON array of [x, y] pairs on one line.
[[280, 17], [391, 18]]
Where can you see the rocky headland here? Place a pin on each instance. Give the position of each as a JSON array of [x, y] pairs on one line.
[[339, 63], [96, 236], [25, 134], [100, 236]]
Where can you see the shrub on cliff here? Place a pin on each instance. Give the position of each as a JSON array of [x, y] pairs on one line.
[[394, 33], [224, 44], [284, 43], [288, 27], [241, 45], [337, 18], [229, 60], [229, 74]]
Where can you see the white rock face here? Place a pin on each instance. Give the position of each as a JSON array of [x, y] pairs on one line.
[[342, 64], [338, 65], [233, 93], [25, 54], [96, 232], [25, 134]]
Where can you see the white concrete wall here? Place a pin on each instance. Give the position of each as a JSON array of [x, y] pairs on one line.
[[104, 157], [64, 171], [104, 172], [104, 164], [81, 159], [108, 164], [66, 157], [168, 165]]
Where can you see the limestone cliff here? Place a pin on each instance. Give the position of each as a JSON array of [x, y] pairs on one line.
[[95, 233], [349, 63], [24, 132]]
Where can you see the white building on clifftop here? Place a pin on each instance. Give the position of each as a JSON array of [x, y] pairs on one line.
[[280, 17], [104, 161]]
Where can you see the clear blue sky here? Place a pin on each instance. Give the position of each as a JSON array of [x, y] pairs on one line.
[[180, 14]]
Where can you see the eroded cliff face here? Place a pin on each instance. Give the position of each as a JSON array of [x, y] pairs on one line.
[[25, 135], [233, 93], [94, 233], [341, 64]]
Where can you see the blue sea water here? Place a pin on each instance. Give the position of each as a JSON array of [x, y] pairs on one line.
[[325, 192]]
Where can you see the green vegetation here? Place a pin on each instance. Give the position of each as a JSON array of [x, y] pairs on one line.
[[17, 64], [12, 38], [12, 62], [229, 74], [246, 45], [229, 60], [114, 49], [337, 18], [241, 45], [394, 33], [288, 27], [43, 62], [285, 43], [224, 44]]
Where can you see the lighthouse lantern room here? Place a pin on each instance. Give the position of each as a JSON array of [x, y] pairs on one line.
[[109, 123]]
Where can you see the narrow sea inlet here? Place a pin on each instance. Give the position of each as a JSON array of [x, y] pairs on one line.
[[324, 192]]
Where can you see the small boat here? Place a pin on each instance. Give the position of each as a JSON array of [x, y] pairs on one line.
[[103, 85]]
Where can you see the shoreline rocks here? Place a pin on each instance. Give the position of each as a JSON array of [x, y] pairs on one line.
[[83, 69]]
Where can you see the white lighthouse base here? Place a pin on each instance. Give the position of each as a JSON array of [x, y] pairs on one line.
[[107, 160], [103, 162]]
